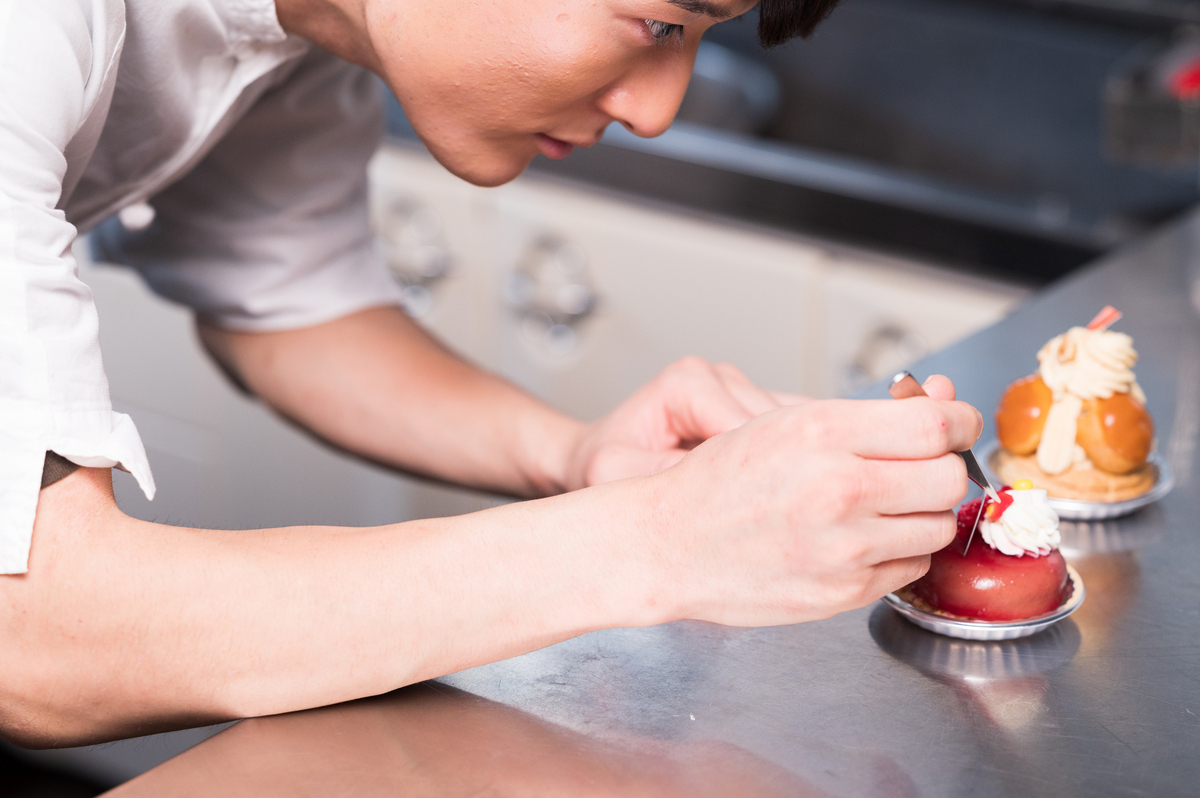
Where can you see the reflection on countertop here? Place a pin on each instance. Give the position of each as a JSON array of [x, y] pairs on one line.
[[971, 661], [431, 739]]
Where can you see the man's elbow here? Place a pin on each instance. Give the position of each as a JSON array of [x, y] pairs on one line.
[[26, 732], [58, 685], [30, 718], [39, 711], [48, 691]]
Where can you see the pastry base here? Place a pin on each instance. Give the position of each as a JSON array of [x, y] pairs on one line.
[[1090, 484], [907, 594]]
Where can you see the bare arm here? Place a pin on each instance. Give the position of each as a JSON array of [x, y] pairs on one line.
[[124, 627], [376, 384]]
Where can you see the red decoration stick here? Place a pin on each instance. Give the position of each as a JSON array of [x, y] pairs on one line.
[[1105, 319]]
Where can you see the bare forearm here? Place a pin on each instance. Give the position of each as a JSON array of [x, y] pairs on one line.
[[375, 384], [126, 627]]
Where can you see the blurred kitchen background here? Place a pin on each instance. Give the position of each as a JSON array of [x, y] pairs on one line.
[[820, 215]]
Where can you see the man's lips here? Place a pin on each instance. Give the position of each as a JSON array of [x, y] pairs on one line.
[[552, 147]]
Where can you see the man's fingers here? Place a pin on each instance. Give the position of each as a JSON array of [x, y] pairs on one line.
[[698, 405], [897, 487], [889, 429], [892, 575], [939, 386], [750, 396], [898, 537], [785, 399]]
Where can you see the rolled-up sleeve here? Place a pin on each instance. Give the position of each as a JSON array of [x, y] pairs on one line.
[[271, 231], [56, 66]]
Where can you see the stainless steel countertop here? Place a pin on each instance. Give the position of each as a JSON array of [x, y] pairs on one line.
[[864, 704]]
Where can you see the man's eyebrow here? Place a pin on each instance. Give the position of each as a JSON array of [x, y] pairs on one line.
[[705, 7]]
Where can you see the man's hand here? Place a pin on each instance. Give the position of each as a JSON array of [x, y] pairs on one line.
[[688, 403], [808, 511]]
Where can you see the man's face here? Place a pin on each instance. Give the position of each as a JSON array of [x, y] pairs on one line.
[[489, 85]]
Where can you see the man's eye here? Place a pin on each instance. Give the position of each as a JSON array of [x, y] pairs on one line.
[[664, 32]]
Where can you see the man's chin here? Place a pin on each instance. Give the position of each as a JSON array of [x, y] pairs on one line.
[[484, 169]]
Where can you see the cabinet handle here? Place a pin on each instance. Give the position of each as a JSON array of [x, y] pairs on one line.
[[411, 238], [552, 291], [886, 349]]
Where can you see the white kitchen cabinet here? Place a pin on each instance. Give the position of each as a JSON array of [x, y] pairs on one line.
[[882, 313]]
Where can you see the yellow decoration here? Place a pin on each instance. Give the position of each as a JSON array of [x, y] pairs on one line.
[[1023, 484]]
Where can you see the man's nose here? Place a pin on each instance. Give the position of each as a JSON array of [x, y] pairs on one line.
[[646, 99]]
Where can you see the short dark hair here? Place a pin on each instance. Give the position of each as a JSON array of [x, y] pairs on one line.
[[780, 20]]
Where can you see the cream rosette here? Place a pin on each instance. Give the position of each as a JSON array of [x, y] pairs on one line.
[[1028, 527]]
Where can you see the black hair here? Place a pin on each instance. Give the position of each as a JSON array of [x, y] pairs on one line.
[[780, 20]]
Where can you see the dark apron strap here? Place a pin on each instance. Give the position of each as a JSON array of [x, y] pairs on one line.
[[55, 469]]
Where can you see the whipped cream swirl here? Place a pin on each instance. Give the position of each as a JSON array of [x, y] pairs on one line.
[[1028, 527], [1078, 365], [1089, 364]]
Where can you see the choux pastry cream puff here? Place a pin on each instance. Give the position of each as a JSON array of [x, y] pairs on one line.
[[1079, 426]]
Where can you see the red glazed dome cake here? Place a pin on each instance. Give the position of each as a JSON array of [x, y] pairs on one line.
[[1012, 569]]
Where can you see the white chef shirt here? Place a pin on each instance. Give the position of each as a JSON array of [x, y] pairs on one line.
[[251, 146]]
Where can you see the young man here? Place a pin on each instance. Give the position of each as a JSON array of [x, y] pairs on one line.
[[248, 124]]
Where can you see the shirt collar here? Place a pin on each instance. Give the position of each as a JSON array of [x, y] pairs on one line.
[[250, 21]]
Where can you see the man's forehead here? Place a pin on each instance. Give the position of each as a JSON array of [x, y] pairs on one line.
[[717, 9]]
